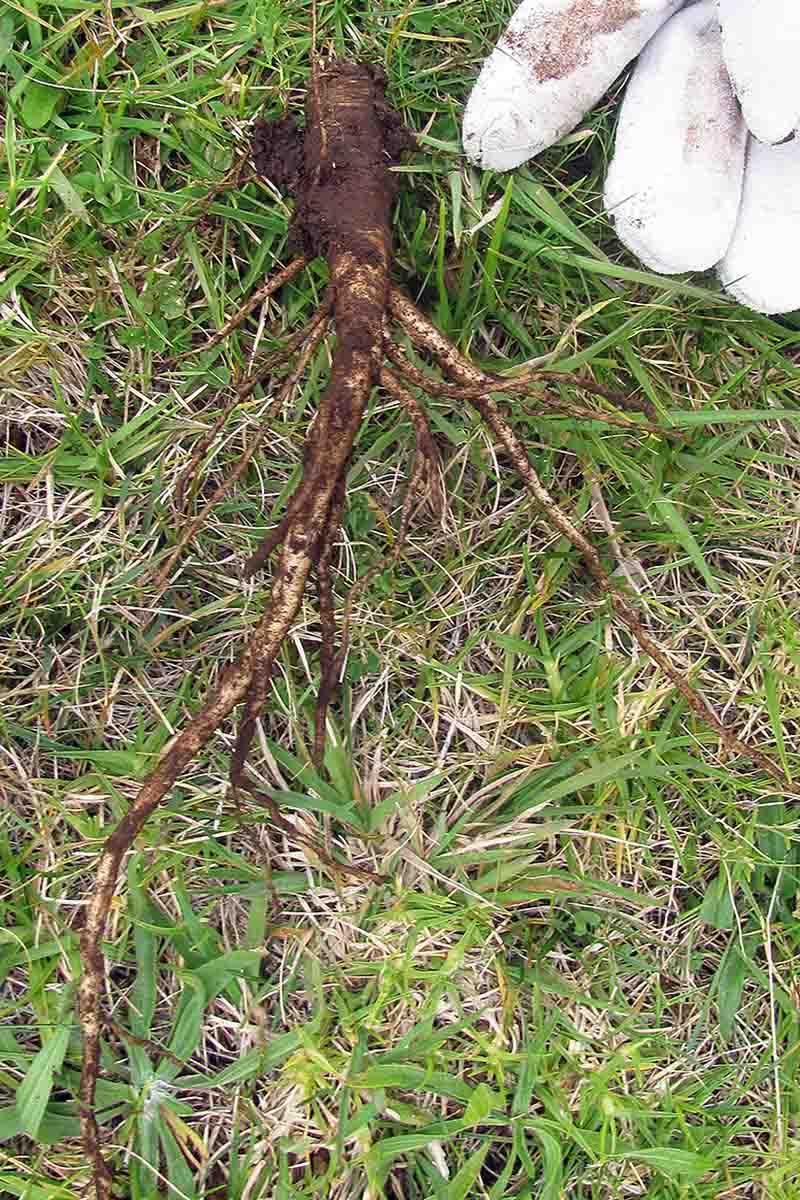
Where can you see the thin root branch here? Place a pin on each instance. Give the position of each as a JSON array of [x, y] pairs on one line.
[[190, 531], [423, 479], [426, 455], [521, 384], [427, 336], [189, 476], [272, 285]]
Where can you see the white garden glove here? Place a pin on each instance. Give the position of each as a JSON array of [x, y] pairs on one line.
[[690, 186]]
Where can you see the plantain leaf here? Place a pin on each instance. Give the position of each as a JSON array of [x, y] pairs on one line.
[[40, 103], [675, 1163], [35, 1089], [717, 907], [730, 984]]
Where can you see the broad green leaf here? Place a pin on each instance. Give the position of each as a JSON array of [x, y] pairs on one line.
[[178, 1171], [18, 1185], [516, 645], [6, 39], [218, 973], [143, 994], [252, 1064], [461, 1186], [717, 907], [480, 1105], [771, 839], [342, 809], [730, 984], [148, 1156], [538, 881], [39, 104], [204, 939], [68, 195], [523, 1092], [10, 1124], [35, 1089], [553, 1173], [126, 763], [411, 1078], [55, 1125], [389, 1148], [188, 1025], [677, 1164]]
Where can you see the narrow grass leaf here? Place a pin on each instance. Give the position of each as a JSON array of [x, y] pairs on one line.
[[773, 688], [143, 994], [491, 260], [669, 512]]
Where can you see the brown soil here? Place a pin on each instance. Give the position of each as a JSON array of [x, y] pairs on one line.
[[338, 168], [278, 152]]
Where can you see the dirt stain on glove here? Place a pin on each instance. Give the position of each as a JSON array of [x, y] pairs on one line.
[[558, 45]]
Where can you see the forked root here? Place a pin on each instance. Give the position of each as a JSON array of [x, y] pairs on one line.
[[522, 384], [347, 126], [345, 191], [424, 482]]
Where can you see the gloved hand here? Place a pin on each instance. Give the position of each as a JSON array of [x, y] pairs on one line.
[[706, 169]]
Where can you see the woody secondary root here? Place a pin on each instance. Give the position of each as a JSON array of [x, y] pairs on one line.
[[339, 171]]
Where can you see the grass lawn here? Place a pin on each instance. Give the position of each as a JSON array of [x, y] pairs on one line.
[[580, 978]]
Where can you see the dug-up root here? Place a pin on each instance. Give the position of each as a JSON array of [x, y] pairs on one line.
[[339, 171]]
